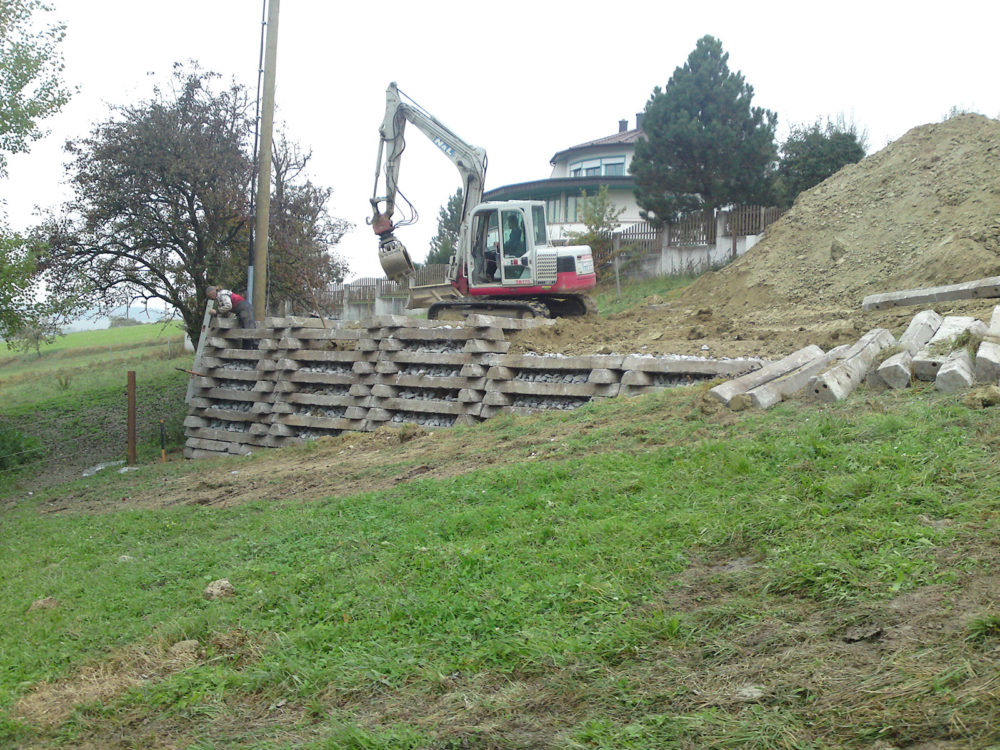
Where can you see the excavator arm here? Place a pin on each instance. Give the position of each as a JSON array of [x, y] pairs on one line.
[[469, 160]]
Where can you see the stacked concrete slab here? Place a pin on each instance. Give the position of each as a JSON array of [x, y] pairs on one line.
[[311, 378]]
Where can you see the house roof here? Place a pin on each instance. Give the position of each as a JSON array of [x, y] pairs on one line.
[[625, 138], [541, 189]]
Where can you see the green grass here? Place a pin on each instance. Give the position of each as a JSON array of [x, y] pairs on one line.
[[119, 337], [70, 400], [611, 598], [635, 293]]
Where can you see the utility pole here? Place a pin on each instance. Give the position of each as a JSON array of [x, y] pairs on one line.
[[259, 291]]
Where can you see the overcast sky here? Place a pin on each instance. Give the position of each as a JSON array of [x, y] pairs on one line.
[[523, 79]]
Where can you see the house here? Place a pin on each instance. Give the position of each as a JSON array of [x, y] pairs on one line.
[[583, 168]]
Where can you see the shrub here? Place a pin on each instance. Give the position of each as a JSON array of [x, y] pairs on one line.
[[18, 449]]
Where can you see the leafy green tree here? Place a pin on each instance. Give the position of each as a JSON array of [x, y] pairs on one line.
[[161, 205], [705, 145], [43, 329], [30, 90], [599, 215], [301, 231], [812, 153], [31, 87], [443, 244]]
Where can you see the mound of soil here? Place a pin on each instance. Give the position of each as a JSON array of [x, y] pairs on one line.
[[924, 211]]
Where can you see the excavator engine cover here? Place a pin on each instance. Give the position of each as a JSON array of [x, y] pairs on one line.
[[395, 259]]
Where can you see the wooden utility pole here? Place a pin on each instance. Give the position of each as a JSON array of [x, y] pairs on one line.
[[131, 418], [259, 291]]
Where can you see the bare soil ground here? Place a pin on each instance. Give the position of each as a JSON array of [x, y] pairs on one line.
[[924, 211]]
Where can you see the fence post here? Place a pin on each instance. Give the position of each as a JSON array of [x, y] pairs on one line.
[[131, 418], [618, 281]]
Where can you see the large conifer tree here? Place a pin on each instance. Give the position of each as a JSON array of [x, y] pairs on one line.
[[705, 145]]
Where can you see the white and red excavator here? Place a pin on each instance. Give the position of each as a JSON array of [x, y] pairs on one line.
[[504, 263]]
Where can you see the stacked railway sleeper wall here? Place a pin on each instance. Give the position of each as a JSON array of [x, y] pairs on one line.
[[309, 378]]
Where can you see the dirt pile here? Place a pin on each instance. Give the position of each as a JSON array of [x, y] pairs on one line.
[[924, 211]]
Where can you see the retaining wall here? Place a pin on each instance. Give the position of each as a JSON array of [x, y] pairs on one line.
[[309, 378]]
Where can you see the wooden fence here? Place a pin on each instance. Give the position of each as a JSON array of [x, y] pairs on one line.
[[744, 220]]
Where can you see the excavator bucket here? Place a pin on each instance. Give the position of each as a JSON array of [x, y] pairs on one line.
[[395, 260]]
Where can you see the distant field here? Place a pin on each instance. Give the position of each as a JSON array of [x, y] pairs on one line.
[[70, 399]]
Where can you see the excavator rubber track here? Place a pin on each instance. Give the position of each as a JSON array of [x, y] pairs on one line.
[[508, 308], [549, 307]]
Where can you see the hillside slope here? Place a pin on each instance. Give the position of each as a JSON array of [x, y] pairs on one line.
[[923, 211]]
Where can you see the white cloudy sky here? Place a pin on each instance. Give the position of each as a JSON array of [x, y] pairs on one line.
[[522, 78]]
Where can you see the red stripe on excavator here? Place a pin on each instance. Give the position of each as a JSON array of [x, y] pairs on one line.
[[568, 281]]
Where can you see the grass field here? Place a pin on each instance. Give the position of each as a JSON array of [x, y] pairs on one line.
[[70, 398], [652, 572]]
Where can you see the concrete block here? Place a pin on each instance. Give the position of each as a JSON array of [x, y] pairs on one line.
[[386, 367], [982, 288], [500, 373], [956, 373], [360, 390], [469, 395], [363, 368], [987, 368], [193, 421], [934, 354], [559, 362], [774, 391], [897, 370], [603, 375], [691, 365], [473, 370], [921, 329], [837, 382], [758, 377], [636, 378], [390, 345], [495, 398], [479, 346]]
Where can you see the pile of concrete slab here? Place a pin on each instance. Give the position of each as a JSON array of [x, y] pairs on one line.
[[933, 348], [308, 378]]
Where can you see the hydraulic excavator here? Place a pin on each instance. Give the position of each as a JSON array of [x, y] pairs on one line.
[[504, 263]]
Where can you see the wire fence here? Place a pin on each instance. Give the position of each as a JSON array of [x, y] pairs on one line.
[[88, 427]]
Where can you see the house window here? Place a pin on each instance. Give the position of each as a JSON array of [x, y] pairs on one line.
[[613, 170], [592, 171]]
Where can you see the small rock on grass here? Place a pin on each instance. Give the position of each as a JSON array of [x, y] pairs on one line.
[[49, 602], [219, 589]]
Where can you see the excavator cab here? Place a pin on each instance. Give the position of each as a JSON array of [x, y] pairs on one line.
[[503, 247]]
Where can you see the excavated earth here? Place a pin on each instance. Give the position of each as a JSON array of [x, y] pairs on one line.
[[923, 211]]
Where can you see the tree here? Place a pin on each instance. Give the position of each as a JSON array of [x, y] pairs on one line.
[[812, 153], [31, 88], [705, 145], [443, 244], [300, 229], [600, 217], [161, 205], [41, 330]]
